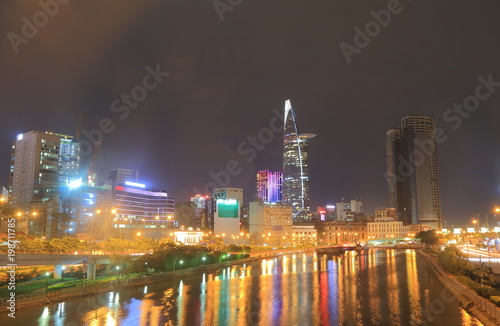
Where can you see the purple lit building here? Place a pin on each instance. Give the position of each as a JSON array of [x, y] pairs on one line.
[[269, 185]]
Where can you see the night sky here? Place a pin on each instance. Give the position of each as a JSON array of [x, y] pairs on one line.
[[226, 77]]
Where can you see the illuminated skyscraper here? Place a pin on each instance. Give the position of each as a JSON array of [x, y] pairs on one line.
[[412, 171], [41, 163], [295, 189], [269, 185], [69, 159]]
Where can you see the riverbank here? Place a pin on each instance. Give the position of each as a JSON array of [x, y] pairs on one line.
[[50, 297], [484, 310]]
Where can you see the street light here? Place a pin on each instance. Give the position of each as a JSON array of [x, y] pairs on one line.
[[47, 281], [488, 228], [497, 210], [180, 262]]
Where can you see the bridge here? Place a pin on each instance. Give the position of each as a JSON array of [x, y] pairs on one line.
[[58, 261]]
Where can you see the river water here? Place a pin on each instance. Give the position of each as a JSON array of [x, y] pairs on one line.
[[379, 287]]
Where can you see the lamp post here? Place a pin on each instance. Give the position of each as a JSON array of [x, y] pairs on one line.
[[97, 212], [497, 210], [488, 228], [47, 281], [2, 202], [180, 262], [113, 211]]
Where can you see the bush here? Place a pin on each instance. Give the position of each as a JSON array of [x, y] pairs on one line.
[[481, 289], [432, 251], [450, 259]]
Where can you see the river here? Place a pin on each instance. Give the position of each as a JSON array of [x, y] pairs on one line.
[[378, 287]]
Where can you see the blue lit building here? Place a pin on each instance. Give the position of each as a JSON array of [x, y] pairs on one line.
[[82, 212], [269, 185]]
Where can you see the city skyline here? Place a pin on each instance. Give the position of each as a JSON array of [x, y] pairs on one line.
[[393, 135], [226, 77]]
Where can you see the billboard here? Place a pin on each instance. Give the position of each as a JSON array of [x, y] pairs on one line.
[[227, 208]]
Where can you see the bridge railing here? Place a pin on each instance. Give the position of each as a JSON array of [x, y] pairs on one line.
[[482, 303]]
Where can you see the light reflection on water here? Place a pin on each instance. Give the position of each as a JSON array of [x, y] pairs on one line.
[[378, 287]]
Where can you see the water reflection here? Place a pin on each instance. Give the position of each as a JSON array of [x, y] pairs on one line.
[[377, 287]]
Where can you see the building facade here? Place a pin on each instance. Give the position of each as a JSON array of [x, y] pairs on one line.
[[200, 210], [295, 189], [138, 211], [188, 237], [341, 232], [227, 211], [69, 160], [395, 183], [121, 175], [304, 234], [387, 228], [349, 211], [269, 185], [82, 210], [271, 223], [41, 163], [412, 171], [386, 225]]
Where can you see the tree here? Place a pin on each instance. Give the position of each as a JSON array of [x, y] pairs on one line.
[[185, 214], [428, 237]]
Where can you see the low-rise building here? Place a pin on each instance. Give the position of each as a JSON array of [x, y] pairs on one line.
[[341, 232], [304, 234], [384, 229], [386, 226], [188, 237]]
